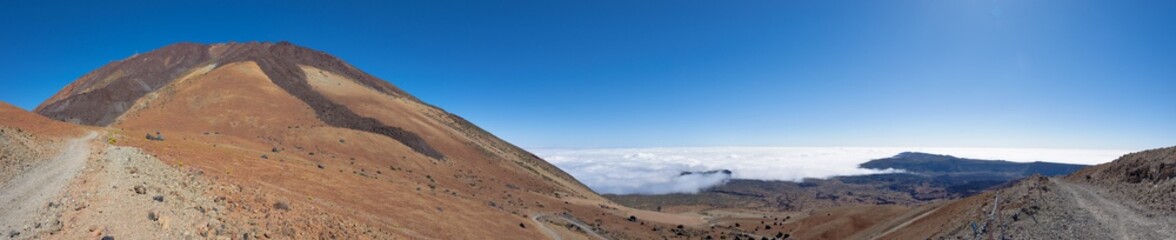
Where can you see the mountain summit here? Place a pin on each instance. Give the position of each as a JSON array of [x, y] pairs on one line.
[[102, 97]]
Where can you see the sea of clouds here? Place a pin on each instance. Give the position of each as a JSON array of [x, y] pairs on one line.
[[658, 170]]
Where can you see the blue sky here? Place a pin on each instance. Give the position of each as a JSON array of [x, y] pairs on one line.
[[929, 73]]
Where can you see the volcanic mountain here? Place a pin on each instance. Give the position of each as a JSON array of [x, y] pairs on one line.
[[278, 140]]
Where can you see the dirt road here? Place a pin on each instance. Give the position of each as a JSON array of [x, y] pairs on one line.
[[548, 231], [537, 219], [1123, 221], [906, 223], [25, 198]]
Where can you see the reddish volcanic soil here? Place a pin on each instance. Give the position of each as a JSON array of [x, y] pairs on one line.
[[274, 140]]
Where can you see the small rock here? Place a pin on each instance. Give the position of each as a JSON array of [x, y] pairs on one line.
[[13, 234], [151, 216], [320, 165], [140, 190], [158, 198], [107, 238], [274, 150], [263, 156]]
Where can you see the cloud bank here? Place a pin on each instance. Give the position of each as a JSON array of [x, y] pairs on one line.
[[657, 170]]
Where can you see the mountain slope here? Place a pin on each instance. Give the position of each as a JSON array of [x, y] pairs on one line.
[[278, 121], [105, 96]]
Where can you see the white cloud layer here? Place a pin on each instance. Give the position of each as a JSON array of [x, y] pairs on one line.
[[656, 170]]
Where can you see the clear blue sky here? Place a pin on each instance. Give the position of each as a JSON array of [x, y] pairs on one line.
[[930, 73]]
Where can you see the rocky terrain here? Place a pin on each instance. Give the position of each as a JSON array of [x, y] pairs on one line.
[[1107, 205]]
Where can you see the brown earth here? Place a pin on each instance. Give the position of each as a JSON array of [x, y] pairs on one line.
[[278, 141]]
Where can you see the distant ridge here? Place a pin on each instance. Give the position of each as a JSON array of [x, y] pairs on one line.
[[936, 164]]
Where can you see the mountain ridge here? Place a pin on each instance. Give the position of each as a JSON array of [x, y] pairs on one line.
[[937, 164]]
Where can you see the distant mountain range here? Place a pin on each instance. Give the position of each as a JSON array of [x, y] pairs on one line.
[[949, 176], [937, 165]]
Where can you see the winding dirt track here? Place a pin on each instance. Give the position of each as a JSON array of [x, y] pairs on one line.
[[548, 231], [24, 198], [1123, 222], [555, 236]]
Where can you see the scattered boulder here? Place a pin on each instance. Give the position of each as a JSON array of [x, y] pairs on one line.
[[158, 198], [157, 137]]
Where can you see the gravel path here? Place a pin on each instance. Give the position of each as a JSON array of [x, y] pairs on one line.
[[25, 199], [1123, 221]]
